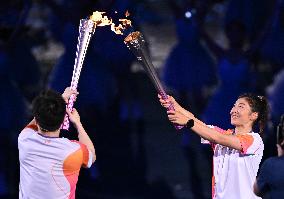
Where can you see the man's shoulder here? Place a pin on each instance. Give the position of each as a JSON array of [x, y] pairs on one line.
[[27, 131], [71, 144]]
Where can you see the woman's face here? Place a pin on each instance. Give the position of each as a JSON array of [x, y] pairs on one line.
[[241, 114]]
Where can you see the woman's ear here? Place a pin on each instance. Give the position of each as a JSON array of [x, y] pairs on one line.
[[254, 116]]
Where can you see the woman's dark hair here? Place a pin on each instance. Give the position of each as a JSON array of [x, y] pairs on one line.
[[259, 105], [49, 110]]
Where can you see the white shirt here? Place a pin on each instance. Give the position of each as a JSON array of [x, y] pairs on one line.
[[235, 171], [49, 166]]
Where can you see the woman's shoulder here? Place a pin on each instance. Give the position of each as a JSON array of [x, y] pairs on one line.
[[257, 139], [254, 134]]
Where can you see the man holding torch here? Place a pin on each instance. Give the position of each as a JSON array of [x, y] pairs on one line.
[[50, 165]]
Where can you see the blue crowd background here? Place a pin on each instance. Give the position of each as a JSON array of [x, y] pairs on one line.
[[216, 50]]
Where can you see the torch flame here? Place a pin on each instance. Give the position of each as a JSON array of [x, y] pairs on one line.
[[127, 14], [101, 20]]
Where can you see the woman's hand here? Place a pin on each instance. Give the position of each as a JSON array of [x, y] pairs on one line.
[[68, 92], [166, 103], [177, 117]]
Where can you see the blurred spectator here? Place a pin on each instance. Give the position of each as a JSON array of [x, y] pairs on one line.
[[261, 20], [270, 179], [19, 81], [239, 69], [252, 14], [235, 72], [189, 70], [273, 45], [275, 95]]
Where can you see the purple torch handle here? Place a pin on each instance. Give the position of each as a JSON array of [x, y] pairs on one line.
[[136, 43], [170, 108], [70, 104], [165, 97]]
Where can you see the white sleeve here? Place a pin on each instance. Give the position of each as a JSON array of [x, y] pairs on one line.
[[203, 141]]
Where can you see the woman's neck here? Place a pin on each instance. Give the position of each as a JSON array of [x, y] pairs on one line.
[[242, 130]]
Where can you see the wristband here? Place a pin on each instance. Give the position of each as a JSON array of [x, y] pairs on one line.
[[189, 124]]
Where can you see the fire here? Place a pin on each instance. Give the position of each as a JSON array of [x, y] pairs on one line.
[[100, 20], [118, 29], [127, 14]]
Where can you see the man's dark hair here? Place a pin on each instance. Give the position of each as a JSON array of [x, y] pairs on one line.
[[49, 109]]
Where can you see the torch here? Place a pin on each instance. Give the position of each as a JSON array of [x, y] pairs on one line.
[[136, 43], [86, 30]]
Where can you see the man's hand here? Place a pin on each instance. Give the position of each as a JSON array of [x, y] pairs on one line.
[[74, 116], [68, 92]]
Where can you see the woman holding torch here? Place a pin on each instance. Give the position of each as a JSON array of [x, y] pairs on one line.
[[237, 152]]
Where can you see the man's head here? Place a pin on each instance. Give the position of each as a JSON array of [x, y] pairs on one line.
[[49, 110]]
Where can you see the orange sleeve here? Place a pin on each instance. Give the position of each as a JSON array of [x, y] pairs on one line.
[[85, 152], [32, 126], [246, 141], [85, 155]]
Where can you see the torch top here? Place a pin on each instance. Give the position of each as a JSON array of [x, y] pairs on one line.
[[132, 36]]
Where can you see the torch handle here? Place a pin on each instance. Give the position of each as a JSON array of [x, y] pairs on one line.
[[70, 104], [170, 108], [150, 69]]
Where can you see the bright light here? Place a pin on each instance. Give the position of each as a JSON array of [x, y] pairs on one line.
[[188, 14]]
